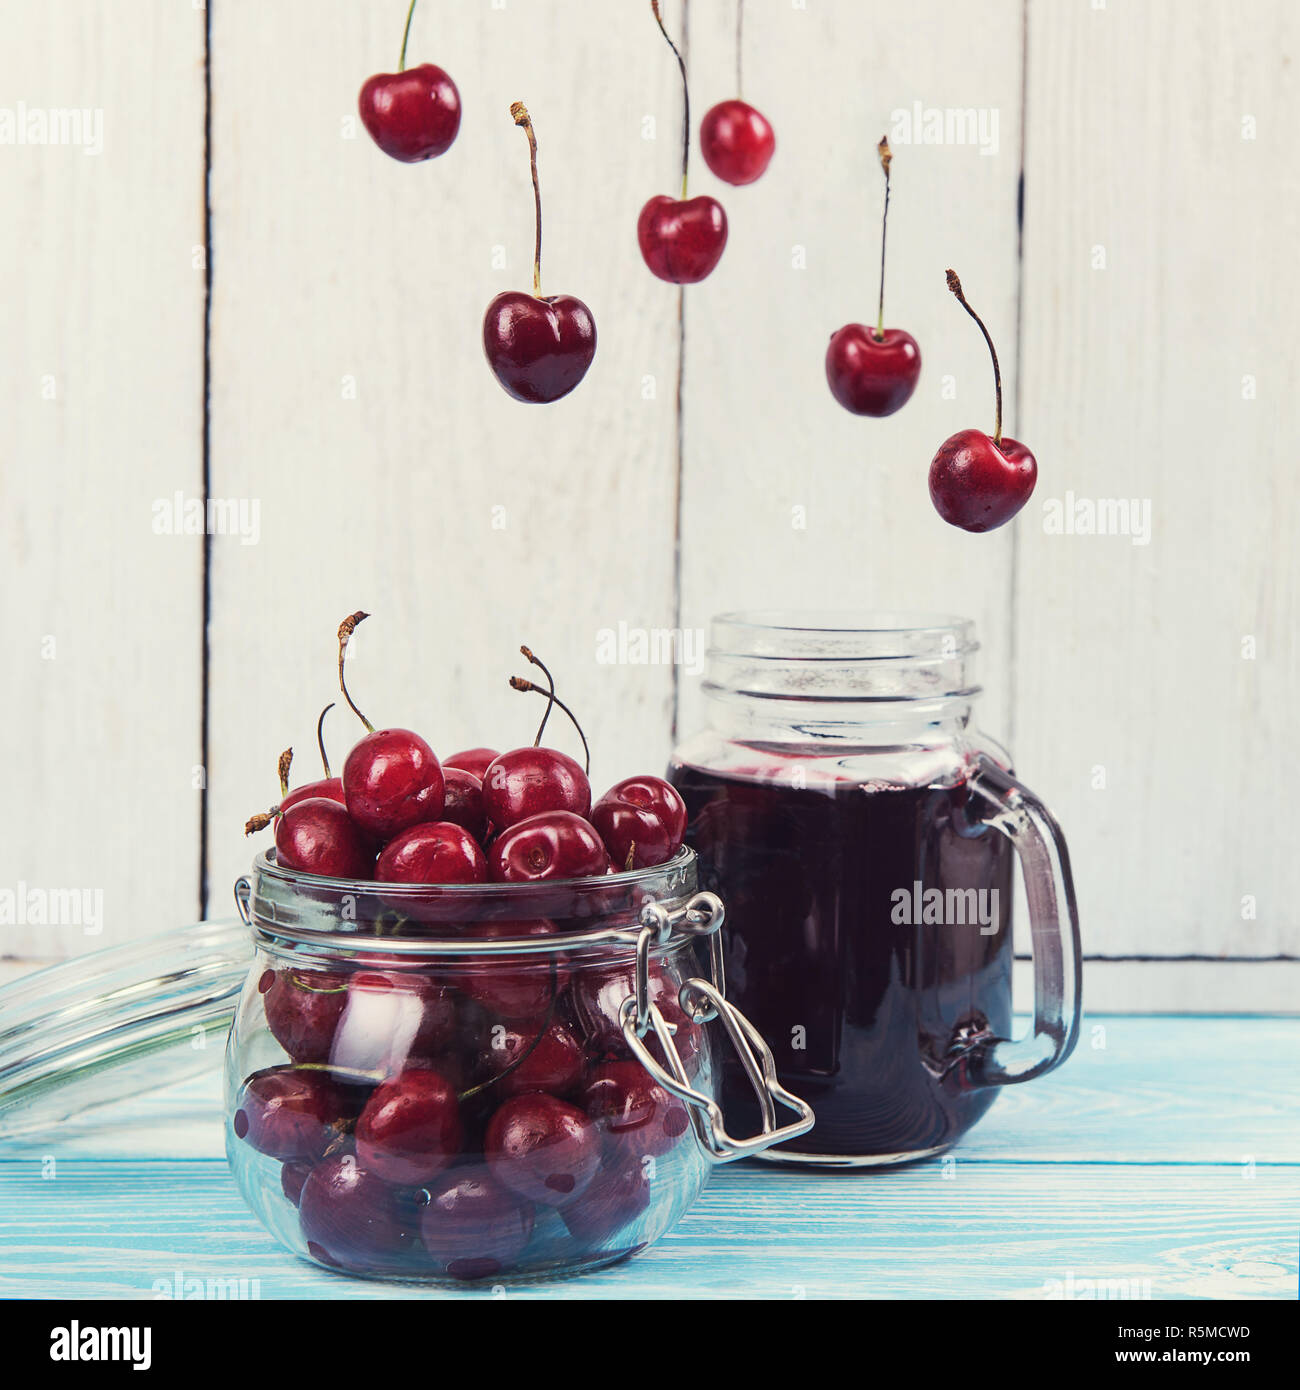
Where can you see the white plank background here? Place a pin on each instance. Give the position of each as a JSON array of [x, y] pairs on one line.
[[349, 399]]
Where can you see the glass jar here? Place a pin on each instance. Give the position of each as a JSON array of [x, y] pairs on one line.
[[483, 1081], [862, 835]]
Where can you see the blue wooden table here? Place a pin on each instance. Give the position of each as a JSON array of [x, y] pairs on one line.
[[1162, 1161]]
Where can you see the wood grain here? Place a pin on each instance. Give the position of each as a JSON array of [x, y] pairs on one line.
[[101, 364], [1131, 656]]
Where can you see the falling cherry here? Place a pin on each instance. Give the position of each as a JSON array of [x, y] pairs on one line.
[[681, 239], [873, 371], [539, 348], [413, 113], [736, 139], [976, 482]]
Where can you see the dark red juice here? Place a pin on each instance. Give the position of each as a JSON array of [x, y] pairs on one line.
[[870, 987]]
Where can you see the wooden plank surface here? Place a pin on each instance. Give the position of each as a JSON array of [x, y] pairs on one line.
[[101, 255], [351, 394], [1162, 202]]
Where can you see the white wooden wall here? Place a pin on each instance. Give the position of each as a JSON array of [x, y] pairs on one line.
[[1145, 313]]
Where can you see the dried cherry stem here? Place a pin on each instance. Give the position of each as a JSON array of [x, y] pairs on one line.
[[527, 1052], [630, 862], [954, 284], [320, 739], [886, 157], [686, 94], [260, 821], [286, 762], [550, 704], [406, 34], [519, 683], [520, 112], [346, 628]]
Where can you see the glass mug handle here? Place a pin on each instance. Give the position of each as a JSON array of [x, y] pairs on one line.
[[1008, 806]]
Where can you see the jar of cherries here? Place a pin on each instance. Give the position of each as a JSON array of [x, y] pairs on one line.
[[482, 1080]]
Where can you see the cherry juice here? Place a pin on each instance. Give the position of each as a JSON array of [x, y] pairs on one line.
[[870, 987]]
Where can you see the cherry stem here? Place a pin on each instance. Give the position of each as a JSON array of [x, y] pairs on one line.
[[886, 157], [550, 704], [406, 34], [286, 762], [519, 683], [320, 739], [260, 821], [954, 284], [686, 94], [528, 1051], [520, 112], [740, 65], [346, 628]]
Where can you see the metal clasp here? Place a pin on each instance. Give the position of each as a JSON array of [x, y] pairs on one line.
[[243, 896], [704, 1001]]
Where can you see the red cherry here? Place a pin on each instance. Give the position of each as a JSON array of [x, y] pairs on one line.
[[354, 1220], [542, 1148], [976, 482], [413, 114], [392, 780], [737, 141], [318, 836], [288, 1113], [638, 1116], [550, 845], [979, 485], [682, 241], [653, 794], [292, 1177], [473, 1228], [642, 814], [432, 852], [392, 1018], [303, 1009], [525, 781], [539, 349], [598, 997], [617, 1196], [870, 373], [472, 760], [410, 1129], [462, 800], [331, 788], [554, 1062], [514, 987]]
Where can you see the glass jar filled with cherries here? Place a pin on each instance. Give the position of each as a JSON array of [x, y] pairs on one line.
[[474, 1042]]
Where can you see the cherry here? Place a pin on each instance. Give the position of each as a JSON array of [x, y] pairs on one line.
[[413, 113], [525, 781], [976, 482], [410, 1129], [318, 836], [542, 1148], [472, 760], [553, 1060], [617, 1196], [514, 987], [462, 800], [539, 348], [292, 1177], [353, 1219], [641, 820], [637, 1114], [873, 371], [303, 1009], [391, 1019], [681, 239], [598, 997], [288, 1113], [737, 141], [432, 852], [391, 778], [473, 1228], [550, 845]]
